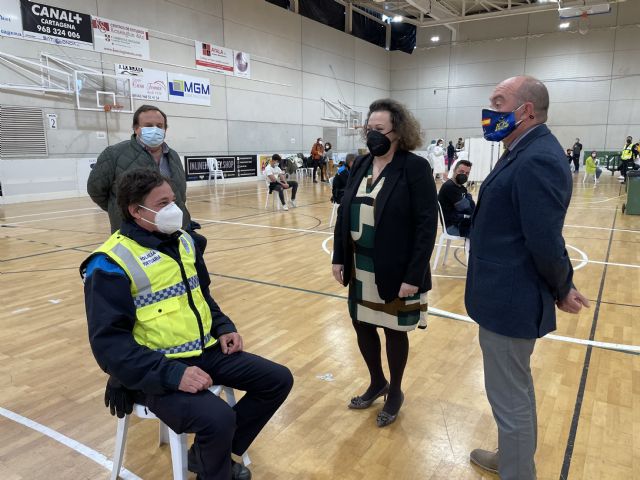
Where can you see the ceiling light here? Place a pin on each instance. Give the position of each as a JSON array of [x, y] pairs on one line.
[[397, 18], [435, 38], [564, 25]]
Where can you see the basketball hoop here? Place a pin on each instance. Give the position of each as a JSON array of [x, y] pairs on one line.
[[351, 130], [115, 107]]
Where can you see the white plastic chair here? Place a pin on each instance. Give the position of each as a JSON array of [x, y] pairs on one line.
[[448, 238], [275, 198], [177, 441], [214, 170]]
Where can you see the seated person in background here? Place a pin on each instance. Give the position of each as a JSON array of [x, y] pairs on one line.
[[457, 204], [278, 182], [156, 330], [340, 180], [570, 157], [591, 166]]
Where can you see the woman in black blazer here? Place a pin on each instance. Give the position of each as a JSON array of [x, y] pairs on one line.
[[383, 239]]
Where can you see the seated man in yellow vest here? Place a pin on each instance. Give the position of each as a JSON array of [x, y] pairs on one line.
[[156, 330]]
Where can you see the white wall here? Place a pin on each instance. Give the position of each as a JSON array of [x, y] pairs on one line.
[[295, 61], [592, 79]]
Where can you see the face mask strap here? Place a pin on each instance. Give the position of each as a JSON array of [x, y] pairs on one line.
[[142, 218]]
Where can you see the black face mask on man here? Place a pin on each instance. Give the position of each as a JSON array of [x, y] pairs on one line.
[[378, 143], [461, 178]]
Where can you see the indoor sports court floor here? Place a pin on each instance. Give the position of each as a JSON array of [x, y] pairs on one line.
[[272, 276]]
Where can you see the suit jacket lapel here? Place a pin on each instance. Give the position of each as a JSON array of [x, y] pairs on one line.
[[391, 175], [358, 171], [505, 162]]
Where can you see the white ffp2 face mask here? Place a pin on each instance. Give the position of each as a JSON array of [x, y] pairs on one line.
[[168, 218]]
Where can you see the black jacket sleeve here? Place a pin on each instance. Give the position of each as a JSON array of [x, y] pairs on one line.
[[424, 213], [220, 323], [111, 317]]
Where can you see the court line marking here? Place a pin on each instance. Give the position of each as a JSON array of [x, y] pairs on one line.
[[608, 229], [599, 201], [54, 212], [82, 449], [52, 218], [620, 347], [304, 230], [583, 262], [561, 338], [290, 229]]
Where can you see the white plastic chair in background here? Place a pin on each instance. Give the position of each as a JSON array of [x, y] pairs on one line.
[[275, 197], [448, 238], [214, 170], [177, 441]]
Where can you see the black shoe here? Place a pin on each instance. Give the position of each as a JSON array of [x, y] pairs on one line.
[[386, 418], [359, 403], [315, 181], [239, 471]]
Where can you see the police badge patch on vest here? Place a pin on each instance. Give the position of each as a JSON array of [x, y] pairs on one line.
[[149, 258]]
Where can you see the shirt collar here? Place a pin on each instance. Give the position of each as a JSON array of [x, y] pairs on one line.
[[521, 137], [146, 238], [165, 147]]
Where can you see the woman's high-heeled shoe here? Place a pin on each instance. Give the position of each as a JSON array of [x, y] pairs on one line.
[[358, 403], [385, 418]]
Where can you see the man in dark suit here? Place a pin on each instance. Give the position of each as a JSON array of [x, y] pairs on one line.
[[519, 269]]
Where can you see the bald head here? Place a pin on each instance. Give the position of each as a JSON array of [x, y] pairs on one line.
[[534, 91], [524, 89], [527, 97]]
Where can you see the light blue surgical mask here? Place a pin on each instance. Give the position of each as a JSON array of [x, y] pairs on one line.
[[152, 136]]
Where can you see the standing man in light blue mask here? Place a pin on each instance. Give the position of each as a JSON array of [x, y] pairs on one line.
[[145, 148], [519, 271]]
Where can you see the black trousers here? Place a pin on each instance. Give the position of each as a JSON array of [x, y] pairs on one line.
[[293, 185], [220, 429], [322, 166], [624, 167], [576, 162]]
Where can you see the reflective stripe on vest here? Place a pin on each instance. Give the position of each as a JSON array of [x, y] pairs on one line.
[[185, 347], [144, 299], [165, 320], [627, 153]]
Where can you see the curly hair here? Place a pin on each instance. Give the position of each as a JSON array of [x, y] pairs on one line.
[[135, 185], [404, 123]]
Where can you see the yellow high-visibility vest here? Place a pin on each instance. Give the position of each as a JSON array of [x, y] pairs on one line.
[[627, 152], [165, 320]]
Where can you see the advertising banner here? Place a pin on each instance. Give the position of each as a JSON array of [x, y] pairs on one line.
[[118, 38], [10, 19], [214, 59], [241, 64], [146, 84], [55, 25], [188, 89], [233, 166]]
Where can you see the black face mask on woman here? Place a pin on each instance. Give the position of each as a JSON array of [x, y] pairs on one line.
[[378, 143]]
